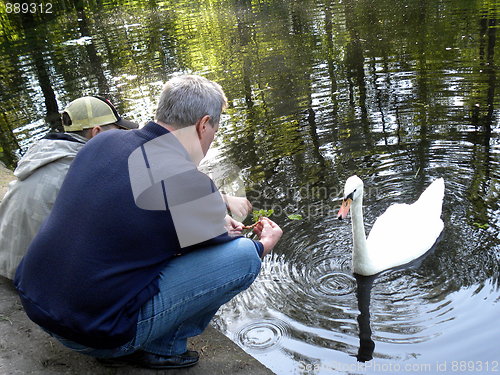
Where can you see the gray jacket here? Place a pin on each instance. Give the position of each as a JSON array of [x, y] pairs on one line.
[[29, 200]]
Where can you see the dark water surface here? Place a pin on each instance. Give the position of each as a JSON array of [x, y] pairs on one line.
[[397, 92]]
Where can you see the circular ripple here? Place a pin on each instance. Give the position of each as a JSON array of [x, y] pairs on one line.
[[335, 284], [327, 277], [263, 335]]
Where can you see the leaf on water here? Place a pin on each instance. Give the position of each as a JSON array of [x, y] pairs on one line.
[[481, 226]]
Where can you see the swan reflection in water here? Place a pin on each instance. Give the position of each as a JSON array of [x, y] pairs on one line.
[[363, 293]]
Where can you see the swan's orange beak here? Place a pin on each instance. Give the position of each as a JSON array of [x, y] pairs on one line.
[[344, 209]]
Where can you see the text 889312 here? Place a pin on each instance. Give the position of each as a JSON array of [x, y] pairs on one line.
[[17, 8]]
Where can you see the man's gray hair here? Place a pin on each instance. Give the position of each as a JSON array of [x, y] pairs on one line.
[[186, 99]]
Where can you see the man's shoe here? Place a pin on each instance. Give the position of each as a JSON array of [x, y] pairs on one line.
[[156, 361], [149, 360]]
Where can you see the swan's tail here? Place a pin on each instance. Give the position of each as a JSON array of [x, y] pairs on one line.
[[432, 198]]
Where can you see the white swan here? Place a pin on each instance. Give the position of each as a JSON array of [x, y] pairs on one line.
[[401, 234]]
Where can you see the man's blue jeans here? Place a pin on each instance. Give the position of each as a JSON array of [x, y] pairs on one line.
[[192, 288]]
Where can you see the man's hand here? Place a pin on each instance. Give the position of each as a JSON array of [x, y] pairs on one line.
[[232, 226], [269, 234], [238, 206]]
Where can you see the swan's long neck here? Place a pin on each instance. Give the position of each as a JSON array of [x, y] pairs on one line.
[[360, 257]]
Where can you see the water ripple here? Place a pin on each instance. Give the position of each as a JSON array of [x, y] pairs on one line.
[[262, 335], [334, 284]]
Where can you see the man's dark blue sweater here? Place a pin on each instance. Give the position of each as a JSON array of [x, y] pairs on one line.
[[97, 257]]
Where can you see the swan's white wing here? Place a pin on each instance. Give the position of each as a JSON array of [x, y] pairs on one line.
[[405, 232]]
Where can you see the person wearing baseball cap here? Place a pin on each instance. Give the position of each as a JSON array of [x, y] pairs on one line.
[[90, 112], [41, 171]]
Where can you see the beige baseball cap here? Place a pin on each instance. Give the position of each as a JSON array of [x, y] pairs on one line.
[[90, 111]]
